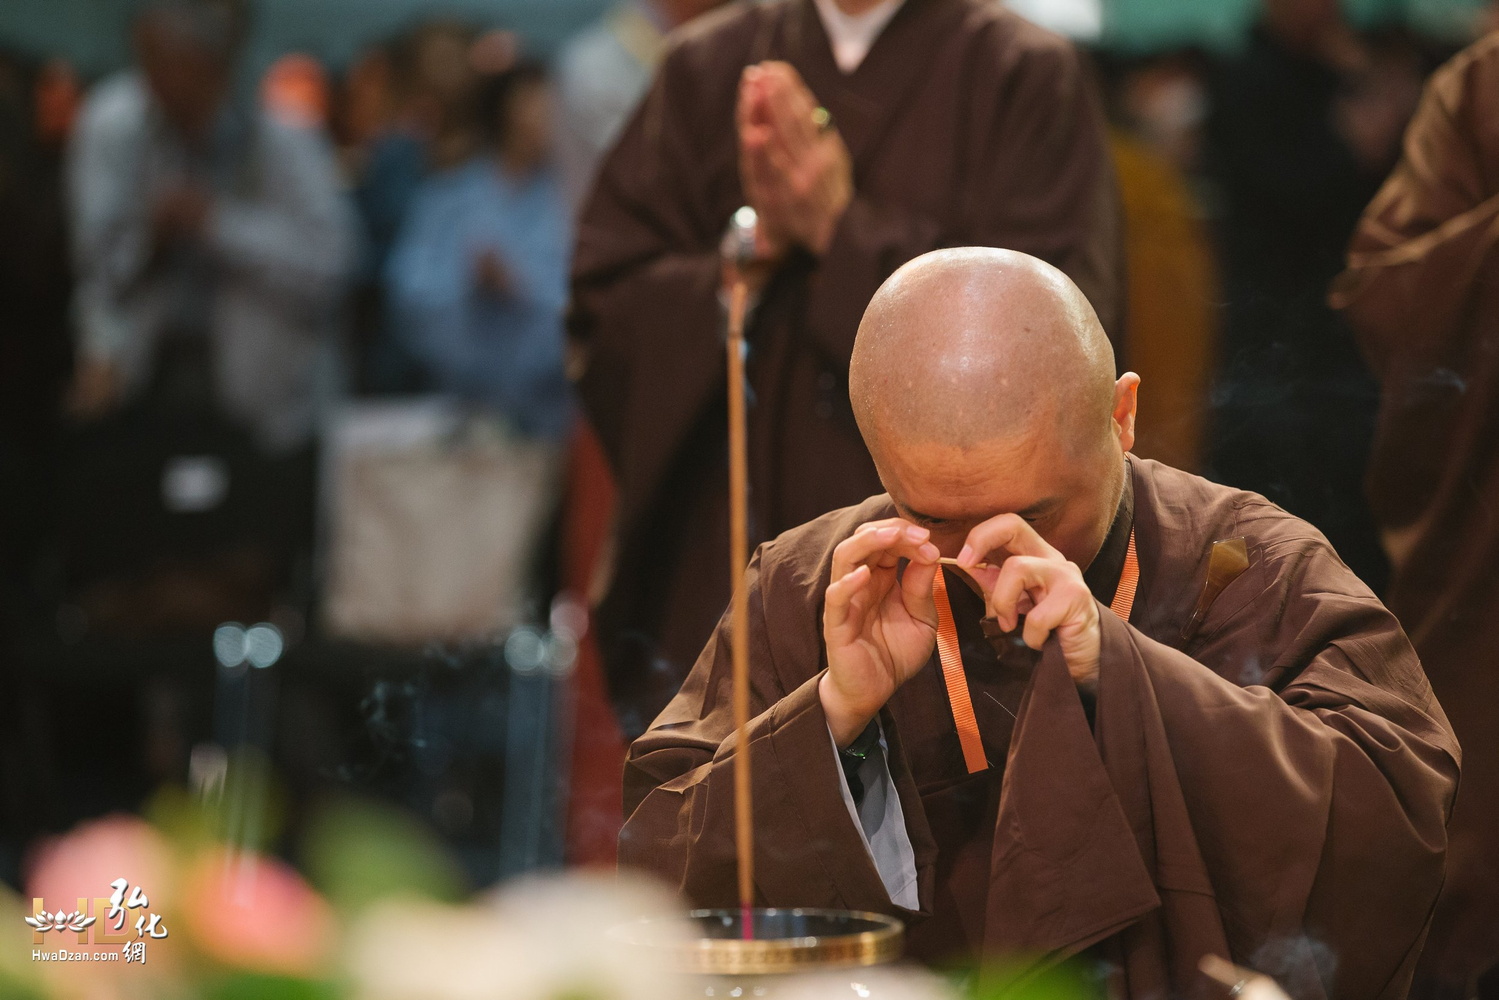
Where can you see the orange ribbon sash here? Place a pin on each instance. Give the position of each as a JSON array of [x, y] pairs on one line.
[[951, 656]]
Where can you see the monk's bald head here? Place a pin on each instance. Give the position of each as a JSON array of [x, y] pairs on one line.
[[964, 346], [984, 385]]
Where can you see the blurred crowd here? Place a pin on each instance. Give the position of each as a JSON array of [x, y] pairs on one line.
[[289, 347]]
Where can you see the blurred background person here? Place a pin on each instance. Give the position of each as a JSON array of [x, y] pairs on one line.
[[211, 243], [1422, 294], [478, 275], [295, 89], [1305, 122], [602, 72], [430, 126], [1157, 106]]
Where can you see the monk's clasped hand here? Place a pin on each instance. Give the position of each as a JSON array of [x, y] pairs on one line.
[[1036, 581], [796, 173], [879, 624]]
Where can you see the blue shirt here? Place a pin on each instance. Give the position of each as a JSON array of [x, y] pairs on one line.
[[503, 350]]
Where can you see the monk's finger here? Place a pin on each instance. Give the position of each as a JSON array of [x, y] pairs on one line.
[[781, 87], [785, 153], [1009, 532], [883, 543], [916, 591], [742, 110], [841, 616], [752, 107], [791, 105], [790, 109], [885, 558], [1066, 610], [863, 592], [781, 164], [856, 549], [888, 522], [753, 170], [758, 143], [790, 95], [765, 188], [1019, 576], [1044, 619]]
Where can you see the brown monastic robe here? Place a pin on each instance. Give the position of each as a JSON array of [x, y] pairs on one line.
[[1270, 784], [1422, 294], [966, 125]]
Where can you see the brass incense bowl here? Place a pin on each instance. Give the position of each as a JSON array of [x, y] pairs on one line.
[[787, 941]]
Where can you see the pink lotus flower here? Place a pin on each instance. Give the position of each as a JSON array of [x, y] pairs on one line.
[[256, 913]]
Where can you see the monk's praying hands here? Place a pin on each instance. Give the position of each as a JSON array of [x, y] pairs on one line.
[[879, 624], [794, 166], [1037, 582]]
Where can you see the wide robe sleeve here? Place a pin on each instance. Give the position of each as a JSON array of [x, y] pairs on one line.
[[646, 275], [1423, 279], [679, 784], [1295, 824], [1418, 249]]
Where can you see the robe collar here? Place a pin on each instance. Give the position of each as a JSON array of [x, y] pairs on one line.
[[864, 103], [1102, 574]]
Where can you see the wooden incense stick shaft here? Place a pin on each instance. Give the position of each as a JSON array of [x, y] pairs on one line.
[[738, 560], [950, 561]]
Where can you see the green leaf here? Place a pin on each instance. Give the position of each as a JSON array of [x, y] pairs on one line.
[[357, 853]]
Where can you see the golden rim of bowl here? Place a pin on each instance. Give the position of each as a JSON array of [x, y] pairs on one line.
[[760, 957]]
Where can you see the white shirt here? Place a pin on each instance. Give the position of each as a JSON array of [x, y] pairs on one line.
[[853, 35], [882, 824]]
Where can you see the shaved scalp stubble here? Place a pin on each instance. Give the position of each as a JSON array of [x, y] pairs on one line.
[[976, 344], [970, 345]]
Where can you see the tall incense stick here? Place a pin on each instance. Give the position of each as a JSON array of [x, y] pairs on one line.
[[738, 559]]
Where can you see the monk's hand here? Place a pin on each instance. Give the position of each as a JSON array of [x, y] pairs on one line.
[[773, 239], [1035, 580], [797, 174], [878, 624]]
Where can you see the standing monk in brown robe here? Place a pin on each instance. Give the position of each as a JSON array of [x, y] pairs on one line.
[[951, 122], [1236, 753], [1422, 294]]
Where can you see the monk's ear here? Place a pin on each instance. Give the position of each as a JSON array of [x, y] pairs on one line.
[[1125, 393]]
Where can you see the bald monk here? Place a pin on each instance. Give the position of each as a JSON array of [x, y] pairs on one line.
[[1167, 765]]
